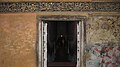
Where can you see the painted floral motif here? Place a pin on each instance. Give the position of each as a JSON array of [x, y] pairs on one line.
[[105, 56]]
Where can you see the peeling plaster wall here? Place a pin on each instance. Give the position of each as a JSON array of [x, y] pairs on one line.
[[102, 29], [103, 41]]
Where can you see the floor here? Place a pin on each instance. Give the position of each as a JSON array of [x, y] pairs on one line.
[[62, 64]]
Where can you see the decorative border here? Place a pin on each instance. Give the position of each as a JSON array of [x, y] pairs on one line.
[[59, 6]]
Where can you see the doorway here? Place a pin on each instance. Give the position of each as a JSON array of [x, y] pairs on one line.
[[61, 43], [57, 30]]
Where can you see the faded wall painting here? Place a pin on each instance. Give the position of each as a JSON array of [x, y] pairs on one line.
[[103, 41]]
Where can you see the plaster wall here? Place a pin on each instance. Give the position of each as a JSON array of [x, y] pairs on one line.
[[103, 41], [18, 32], [17, 40], [18, 37]]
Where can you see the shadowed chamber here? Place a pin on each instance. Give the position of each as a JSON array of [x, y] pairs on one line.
[[61, 46]]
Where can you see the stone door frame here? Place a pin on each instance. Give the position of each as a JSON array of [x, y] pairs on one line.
[[42, 37]]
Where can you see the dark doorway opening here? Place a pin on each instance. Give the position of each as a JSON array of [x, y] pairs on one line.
[[62, 43]]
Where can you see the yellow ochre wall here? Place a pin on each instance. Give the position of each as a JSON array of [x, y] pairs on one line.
[[17, 40]]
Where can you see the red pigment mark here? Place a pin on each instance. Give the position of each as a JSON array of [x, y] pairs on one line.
[[97, 50], [108, 55], [108, 62], [108, 49], [118, 48]]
